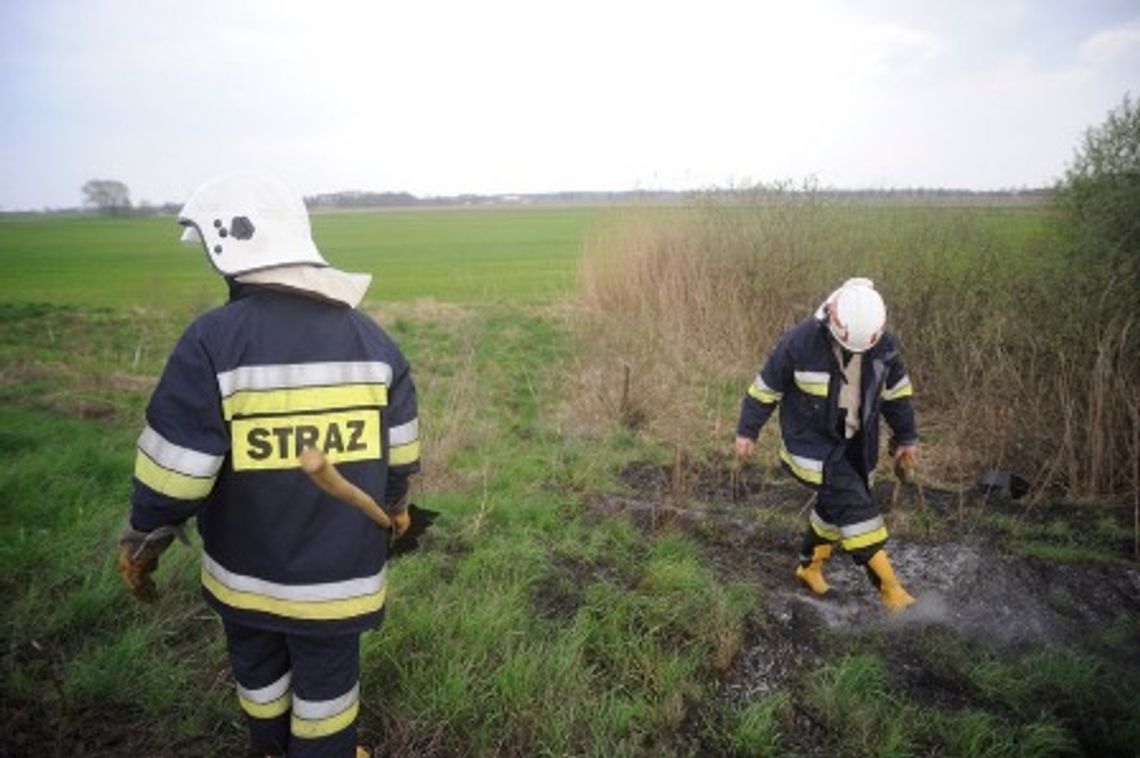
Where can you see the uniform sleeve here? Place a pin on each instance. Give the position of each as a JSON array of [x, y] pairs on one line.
[[184, 443], [403, 436], [767, 388], [898, 410]]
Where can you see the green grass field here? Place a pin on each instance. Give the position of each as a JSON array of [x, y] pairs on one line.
[[530, 623], [456, 256]]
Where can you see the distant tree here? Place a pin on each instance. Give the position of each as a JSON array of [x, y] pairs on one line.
[[1100, 199], [109, 196]]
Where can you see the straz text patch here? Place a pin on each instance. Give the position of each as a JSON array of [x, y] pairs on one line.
[[274, 442]]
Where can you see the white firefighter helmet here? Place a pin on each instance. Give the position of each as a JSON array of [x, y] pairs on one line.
[[248, 222], [856, 314]]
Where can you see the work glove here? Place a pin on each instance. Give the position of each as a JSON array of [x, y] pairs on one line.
[[906, 463], [138, 557], [398, 515], [400, 523]]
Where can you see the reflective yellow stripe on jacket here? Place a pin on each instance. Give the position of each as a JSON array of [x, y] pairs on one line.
[[275, 410], [301, 399], [404, 443], [807, 469], [900, 389], [174, 470], [324, 601], [813, 382], [759, 390], [285, 375]]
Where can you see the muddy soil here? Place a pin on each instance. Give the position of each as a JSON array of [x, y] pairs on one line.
[[967, 584]]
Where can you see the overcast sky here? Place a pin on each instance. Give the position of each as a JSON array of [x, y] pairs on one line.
[[495, 96]]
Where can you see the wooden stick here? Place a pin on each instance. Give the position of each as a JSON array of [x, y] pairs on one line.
[[324, 475]]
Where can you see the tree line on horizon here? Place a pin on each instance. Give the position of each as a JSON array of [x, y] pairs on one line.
[[111, 198]]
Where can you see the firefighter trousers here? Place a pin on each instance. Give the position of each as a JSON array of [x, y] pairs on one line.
[[845, 510], [300, 693]]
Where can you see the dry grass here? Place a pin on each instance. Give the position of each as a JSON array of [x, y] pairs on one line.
[[1008, 373], [442, 343]]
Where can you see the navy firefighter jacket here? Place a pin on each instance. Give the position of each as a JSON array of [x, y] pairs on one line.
[[248, 386], [803, 377]]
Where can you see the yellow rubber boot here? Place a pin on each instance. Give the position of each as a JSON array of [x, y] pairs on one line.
[[893, 594], [812, 574]]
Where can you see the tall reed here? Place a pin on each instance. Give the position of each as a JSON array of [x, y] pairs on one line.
[[1010, 371]]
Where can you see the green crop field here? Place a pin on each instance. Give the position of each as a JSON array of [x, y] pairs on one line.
[[603, 579], [448, 255]]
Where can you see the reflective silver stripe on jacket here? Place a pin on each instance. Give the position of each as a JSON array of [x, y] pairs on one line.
[[268, 693], [805, 463], [404, 433], [812, 377], [284, 375], [181, 460], [300, 593], [313, 710], [813, 382], [901, 388], [762, 392], [807, 469]]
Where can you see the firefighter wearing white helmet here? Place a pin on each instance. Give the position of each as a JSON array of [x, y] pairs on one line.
[[256, 230], [286, 364], [855, 314], [832, 375]]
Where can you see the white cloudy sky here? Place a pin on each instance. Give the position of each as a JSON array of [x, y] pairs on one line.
[[492, 96]]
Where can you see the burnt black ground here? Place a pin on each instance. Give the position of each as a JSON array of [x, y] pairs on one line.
[[971, 585]]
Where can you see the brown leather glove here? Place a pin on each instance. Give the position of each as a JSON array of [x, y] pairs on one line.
[[906, 464], [398, 513], [138, 557], [400, 523]]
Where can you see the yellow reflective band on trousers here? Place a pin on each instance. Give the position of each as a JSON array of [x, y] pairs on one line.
[[865, 539], [851, 536], [313, 602], [269, 701], [320, 718], [806, 469], [301, 399], [270, 710], [171, 483], [274, 442], [316, 728]]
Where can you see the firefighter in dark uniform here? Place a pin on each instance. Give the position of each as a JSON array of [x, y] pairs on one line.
[[832, 375], [287, 363]]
